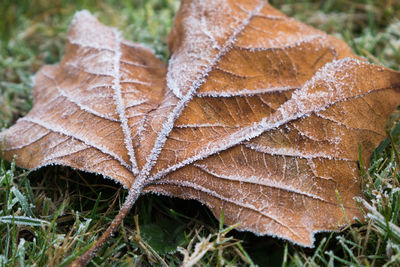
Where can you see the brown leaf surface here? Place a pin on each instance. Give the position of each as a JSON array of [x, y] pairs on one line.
[[256, 115]]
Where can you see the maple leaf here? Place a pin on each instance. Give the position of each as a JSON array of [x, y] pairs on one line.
[[256, 115]]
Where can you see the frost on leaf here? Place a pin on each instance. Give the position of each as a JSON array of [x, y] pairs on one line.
[[256, 115]]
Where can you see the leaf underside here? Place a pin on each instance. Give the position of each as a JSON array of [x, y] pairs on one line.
[[256, 115]]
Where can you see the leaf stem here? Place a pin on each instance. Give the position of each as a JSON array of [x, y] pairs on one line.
[[126, 207]]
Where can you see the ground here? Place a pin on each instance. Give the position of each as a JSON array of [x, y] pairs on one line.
[[33, 33]]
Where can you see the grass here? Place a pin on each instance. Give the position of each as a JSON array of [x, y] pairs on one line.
[[50, 216]]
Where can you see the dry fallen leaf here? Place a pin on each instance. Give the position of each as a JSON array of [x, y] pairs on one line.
[[256, 115]]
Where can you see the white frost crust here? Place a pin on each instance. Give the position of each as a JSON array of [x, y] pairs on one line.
[[222, 198], [199, 48], [302, 103], [139, 46], [200, 79], [82, 170], [245, 92], [204, 125], [247, 134], [343, 124], [29, 139], [134, 103], [292, 152], [61, 130], [119, 102], [259, 181], [71, 150], [194, 61], [133, 63], [101, 69], [272, 17], [135, 81], [266, 232], [87, 32], [309, 100], [76, 101], [292, 42], [97, 86]]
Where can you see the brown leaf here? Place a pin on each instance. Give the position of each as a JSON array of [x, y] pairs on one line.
[[256, 115]]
